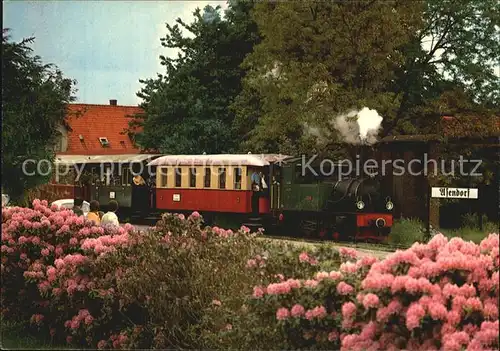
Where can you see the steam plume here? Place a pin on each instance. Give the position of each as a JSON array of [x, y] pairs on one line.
[[355, 127]]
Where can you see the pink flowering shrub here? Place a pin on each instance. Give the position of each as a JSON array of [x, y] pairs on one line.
[[47, 262], [442, 295]]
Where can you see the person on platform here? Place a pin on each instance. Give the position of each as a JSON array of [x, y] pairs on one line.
[[110, 217], [77, 207], [94, 214], [256, 189]]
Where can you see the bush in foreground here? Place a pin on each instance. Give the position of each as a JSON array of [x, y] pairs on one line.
[[116, 288], [440, 295], [188, 286]]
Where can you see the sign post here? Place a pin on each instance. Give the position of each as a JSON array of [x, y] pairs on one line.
[[451, 193], [454, 193]]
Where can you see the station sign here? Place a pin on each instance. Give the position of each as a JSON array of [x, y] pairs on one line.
[[455, 193]]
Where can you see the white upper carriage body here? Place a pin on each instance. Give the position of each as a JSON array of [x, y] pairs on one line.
[[255, 160]]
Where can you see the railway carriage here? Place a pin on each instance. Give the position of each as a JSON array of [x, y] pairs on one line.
[[109, 177], [214, 184]]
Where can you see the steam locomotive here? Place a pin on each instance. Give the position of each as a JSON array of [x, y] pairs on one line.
[[291, 196]]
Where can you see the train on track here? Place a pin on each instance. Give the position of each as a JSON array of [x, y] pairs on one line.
[[272, 191]]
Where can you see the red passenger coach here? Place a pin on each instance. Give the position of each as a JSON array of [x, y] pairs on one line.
[[212, 183]]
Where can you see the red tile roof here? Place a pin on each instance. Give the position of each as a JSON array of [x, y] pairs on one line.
[[95, 121], [470, 126]]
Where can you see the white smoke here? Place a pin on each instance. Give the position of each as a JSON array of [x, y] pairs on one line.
[[355, 127], [369, 122]]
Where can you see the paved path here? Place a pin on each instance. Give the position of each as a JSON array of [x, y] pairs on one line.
[[362, 251]]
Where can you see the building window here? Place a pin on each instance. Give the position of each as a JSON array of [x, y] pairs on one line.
[[222, 178], [192, 177], [163, 177], [208, 175], [237, 178], [125, 176], [178, 178]]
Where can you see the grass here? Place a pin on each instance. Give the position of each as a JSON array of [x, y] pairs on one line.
[[407, 231], [470, 233], [16, 337]]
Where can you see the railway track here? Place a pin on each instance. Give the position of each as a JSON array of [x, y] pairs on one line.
[[377, 250]]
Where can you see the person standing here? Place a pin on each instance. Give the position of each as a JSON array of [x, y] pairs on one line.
[[94, 214], [110, 217], [256, 188], [77, 207]]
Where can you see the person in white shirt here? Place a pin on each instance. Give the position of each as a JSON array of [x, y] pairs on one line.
[[110, 217]]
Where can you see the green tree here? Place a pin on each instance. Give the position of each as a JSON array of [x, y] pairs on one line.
[[407, 60], [320, 59], [449, 65], [187, 108], [34, 101]]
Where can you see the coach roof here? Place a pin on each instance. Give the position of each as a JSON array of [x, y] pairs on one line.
[[257, 160]]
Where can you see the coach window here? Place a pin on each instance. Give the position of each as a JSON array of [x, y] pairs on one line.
[[237, 178], [178, 178], [222, 178], [208, 175], [163, 177], [192, 177]]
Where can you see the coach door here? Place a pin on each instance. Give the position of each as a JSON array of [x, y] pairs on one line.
[[274, 186], [141, 194]]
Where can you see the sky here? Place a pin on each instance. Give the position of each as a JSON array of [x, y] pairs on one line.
[[106, 46]]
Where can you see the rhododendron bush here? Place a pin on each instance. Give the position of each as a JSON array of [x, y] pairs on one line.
[[439, 295], [116, 288], [184, 285]]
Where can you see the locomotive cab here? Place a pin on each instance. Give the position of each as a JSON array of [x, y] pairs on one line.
[[334, 204]]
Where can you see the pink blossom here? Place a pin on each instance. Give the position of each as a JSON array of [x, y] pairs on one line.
[[370, 301], [282, 313], [297, 310], [304, 257], [101, 344], [258, 292], [89, 319], [348, 310], [310, 283], [413, 316], [344, 289], [251, 263], [333, 335], [335, 275], [438, 311], [216, 302], [321, 275], [348, 253]]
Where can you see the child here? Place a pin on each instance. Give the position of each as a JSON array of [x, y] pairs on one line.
[[110, 217]]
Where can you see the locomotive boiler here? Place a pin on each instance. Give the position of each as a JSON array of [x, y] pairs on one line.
[[334, 205]]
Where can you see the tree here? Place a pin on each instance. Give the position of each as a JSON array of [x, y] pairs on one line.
[[318, 60], [34, 102], [451, 57], [187, 108], [407, 60]]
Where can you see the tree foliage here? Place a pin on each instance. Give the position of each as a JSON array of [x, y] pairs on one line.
[[187, 107], [411, 61], [34, 101]]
